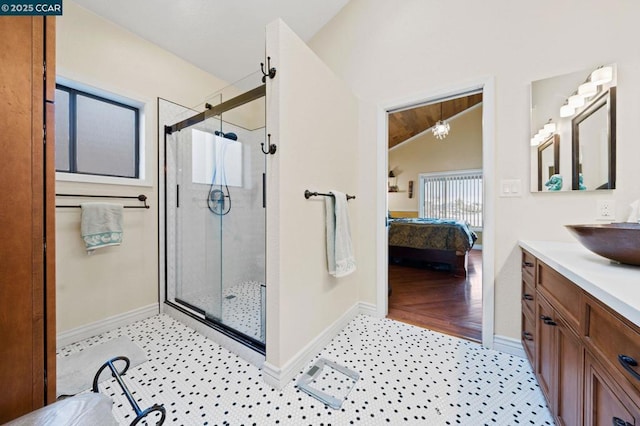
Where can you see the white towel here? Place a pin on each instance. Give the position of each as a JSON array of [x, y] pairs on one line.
[[340, 259], [101, 225]]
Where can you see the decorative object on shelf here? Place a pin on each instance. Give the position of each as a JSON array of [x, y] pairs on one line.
[[393, 186], [441, 128], [410, 189], [554, 183]]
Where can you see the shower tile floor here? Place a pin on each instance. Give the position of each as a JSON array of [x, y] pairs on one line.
[[408, 375], [241, 307]]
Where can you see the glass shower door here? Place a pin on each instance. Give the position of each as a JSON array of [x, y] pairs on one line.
[[215, 216], [198, 232]]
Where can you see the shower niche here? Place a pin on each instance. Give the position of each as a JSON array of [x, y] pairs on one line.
[[214, 210]]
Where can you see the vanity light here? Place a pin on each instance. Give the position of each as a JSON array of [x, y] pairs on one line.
[[546, 131], [587, 89], [566, 111], [550, 127], [602, 75], [576, 101]]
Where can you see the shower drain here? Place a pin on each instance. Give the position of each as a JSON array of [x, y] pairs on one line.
[[229, 297]]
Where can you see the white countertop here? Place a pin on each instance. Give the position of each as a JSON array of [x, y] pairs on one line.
[[614, 284]]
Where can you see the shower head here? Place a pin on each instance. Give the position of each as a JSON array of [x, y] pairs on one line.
[[230, 135]]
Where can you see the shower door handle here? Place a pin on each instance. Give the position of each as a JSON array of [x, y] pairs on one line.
[[264, 190]]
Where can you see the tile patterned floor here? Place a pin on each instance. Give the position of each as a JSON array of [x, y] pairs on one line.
[[408, 375], [241, 307]]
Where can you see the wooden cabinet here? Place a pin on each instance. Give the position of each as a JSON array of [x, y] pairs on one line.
[[558, 367], [605, 403], [528, 306], [584, 354], [27, 266]]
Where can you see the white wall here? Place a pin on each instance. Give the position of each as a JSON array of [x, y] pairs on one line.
[[390, 50], [99, 54], [312, 117], [460, 150]]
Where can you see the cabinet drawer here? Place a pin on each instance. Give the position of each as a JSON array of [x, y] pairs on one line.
[[611, 339], [564, 295], [528, 337], [528, 267], [528, 298]]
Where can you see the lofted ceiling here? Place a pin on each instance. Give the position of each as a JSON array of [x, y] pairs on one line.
[[225, 38], [410, 122]]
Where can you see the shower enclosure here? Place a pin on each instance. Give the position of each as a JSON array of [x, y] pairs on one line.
[[214, 176]]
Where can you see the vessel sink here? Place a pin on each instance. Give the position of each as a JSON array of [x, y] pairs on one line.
[[615, 241]]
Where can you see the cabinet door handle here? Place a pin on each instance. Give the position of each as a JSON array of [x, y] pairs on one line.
[[547, 320], [527, 296], [527, 335], [617, 421], [627, 362], [527, 264]]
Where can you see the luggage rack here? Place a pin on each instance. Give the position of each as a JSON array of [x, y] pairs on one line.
[[140, 414]]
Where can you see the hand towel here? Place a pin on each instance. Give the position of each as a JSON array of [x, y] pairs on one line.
[[340, 259], [101, 225]]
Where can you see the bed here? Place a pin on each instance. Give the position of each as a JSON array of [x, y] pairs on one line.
[[432, 240]]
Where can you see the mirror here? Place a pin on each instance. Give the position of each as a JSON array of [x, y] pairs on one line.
[[573, 131], [593, 143], [549, 164]]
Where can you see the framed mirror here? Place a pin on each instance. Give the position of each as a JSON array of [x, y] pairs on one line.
[[593, 140], [549, 164], [574, 114]]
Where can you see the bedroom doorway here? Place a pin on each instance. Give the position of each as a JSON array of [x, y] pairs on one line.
[[435, 202]]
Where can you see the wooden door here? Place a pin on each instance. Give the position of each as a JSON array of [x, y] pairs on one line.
[[569, 373], [27, 287], [545, 350], [604, 403]]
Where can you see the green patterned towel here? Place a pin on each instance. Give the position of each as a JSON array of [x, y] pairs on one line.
[[101, 225]]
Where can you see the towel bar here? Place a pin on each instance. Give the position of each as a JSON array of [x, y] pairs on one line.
[[141, 197], [308, 194]]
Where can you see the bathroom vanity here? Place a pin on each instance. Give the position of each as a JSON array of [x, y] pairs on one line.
[[581, 333]]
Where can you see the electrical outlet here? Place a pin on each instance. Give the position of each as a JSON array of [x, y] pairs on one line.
[[606, 210]]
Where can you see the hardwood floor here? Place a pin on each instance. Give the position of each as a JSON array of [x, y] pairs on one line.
[[433, 298]]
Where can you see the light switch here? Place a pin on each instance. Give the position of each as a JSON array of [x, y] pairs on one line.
[[510, 188]]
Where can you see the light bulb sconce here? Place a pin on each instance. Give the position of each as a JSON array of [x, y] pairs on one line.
[[543, 134], [591, 86]]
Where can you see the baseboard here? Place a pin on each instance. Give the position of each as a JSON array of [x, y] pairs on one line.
[[279, 377], [370, 309], [80, 333], [508, 345]]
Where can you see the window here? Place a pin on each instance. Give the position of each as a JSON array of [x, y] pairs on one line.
[[95, 135], [452, 195]]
